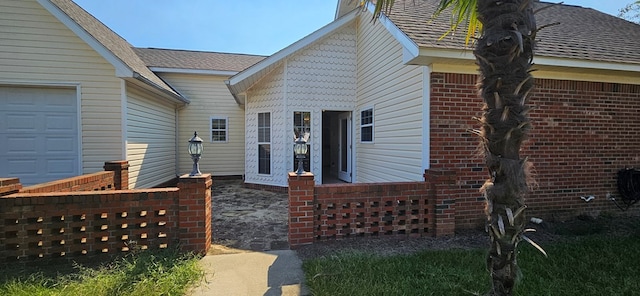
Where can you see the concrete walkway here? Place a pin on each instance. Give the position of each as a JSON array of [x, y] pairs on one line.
[[269, 273]]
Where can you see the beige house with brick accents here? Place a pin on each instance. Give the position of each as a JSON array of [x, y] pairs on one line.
[[380, 102]]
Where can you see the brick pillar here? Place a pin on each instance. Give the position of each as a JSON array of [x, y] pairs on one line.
[[121, 173], [9, 186], [301, 189], [443, 198], [194, 213]]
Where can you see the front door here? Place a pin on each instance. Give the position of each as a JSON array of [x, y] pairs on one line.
[[344, 169]]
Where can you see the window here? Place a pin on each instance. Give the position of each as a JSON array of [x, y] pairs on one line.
[[264, 143], [302, 124], [219, 129], [366, 125]]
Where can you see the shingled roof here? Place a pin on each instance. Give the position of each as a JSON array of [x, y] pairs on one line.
[[115, 44], [582, 33], [196, 60]]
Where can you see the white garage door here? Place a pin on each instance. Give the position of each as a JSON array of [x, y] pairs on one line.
[[38, 133]]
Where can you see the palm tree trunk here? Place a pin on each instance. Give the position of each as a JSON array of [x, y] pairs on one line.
[[504, 54]]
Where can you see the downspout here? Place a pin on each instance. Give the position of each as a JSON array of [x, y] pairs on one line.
[[177, 137], [124, 118], [426, 118]]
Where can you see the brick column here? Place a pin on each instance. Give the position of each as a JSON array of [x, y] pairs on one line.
[[194, 213], [301, 190], [9, 186], [443, 199], [121, 170]]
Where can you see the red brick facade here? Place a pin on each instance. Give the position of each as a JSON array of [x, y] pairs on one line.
[[583, 133]]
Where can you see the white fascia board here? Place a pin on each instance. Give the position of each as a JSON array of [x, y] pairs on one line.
[[429, 55], [122, 70], [410, 49], [193, 71], [291, 49], [335, 17], [575, 63]]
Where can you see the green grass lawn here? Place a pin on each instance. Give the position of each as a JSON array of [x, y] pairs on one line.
[[164, 272], [589, 265]]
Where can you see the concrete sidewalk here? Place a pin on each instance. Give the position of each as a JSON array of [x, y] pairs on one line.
[[269, 273]]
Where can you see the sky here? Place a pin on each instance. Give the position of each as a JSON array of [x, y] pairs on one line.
[[260, 27]]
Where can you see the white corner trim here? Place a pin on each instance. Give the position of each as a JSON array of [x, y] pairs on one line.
[[79, 129], [122, 70], [124, 117]]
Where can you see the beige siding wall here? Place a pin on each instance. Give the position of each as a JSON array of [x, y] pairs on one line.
[[209, 97], [151, 139], [36, 49], [395, 92]]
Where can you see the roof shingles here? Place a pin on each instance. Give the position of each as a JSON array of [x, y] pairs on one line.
[[196, 60], [582, 33]]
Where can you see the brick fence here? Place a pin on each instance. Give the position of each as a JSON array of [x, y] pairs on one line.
[[90, 216], [335, 211]]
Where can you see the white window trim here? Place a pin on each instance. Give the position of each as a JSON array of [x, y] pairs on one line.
[[259, 143], [226, 128], [372, 124]]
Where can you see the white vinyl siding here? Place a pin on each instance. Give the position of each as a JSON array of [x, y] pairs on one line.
[[150, 139], [267, 96], [37, 49], [209, 96], [396, 92]]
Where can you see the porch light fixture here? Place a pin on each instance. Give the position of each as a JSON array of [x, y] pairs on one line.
[[195, 150], [300, 149]]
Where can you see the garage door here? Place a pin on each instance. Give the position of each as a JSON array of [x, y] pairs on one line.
[[38, 133]]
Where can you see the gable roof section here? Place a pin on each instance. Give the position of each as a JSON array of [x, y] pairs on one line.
[[195, 62], [594, 38], [242, 81], [107, 43]]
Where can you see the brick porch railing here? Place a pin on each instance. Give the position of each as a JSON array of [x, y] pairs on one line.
[[335, 211], [86, 216]]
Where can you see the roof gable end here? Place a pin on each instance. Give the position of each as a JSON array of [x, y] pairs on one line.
[[113, 48]]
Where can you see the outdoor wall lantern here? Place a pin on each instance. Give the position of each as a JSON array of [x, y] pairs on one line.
[[300, 149], [195, 150]]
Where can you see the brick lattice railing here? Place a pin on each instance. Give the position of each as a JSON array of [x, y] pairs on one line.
[[39, 225], [335, 211]]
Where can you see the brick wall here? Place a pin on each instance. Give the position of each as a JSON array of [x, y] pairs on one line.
[[45, 226], [80, 219], [337, 211], [583, 133]]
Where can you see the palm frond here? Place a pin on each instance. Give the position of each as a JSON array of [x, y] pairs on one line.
[[461, 11], [382, 6]]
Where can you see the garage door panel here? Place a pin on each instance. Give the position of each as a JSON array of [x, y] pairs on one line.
[[59, 144], [38, 133], [57, 123], [22, 146], [22, 167], [21, 123], [60, 167]]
